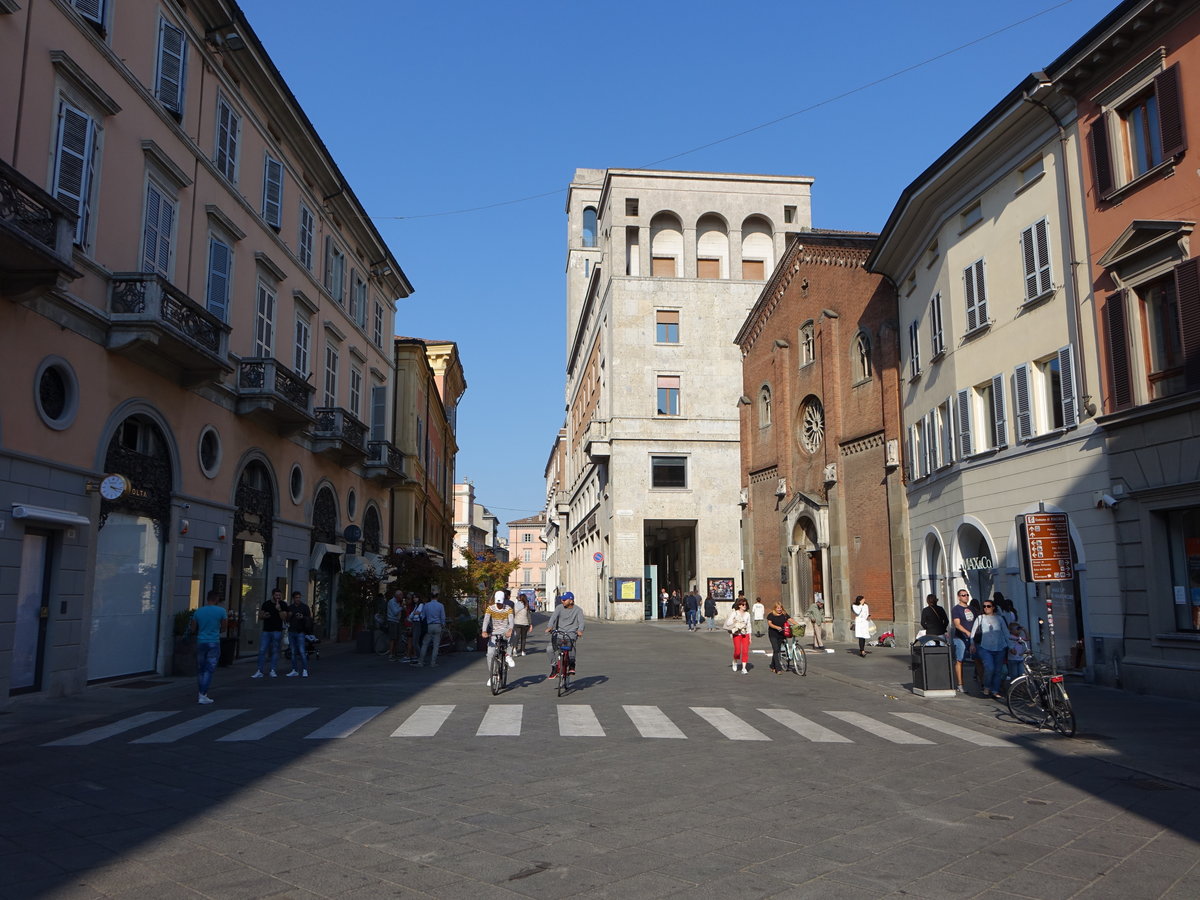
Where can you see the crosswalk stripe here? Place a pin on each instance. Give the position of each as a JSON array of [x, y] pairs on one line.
[[107, 731], [974, 737], [425, 722], [269, 725], [879, 729], [186, 729], [805, 727], [501, 720], [578, 720], [651, 722], [728, 724], [347, 723]]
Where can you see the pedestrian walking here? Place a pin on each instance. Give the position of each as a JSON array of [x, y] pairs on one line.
[[395, 624], [777, 618], [862, 623], [208, 622], [816, 616], [434, 616], [758, 613], [993, 647], [300, 626], [416, 621], [522, 619], [271, 615], [691, 606], [710, 611], [934, 620], [738, 624], [664, 598], [962, 621]]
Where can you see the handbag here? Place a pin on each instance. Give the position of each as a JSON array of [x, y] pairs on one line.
[[872, 628]]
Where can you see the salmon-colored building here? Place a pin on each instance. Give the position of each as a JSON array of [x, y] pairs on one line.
[[527, 545], [196, 319]]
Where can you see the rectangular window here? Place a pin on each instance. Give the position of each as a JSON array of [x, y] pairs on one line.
[[377, 329], [303, 338], [335, 271], [971, 216], [157, 231], [331, 375], [666, 326], [668, 471], [264, 322], [754, 270], [945, 433], [914, 349], [525, 556], [1035, 253], [172, 61], [937, 338], [631, 206], [1032, 171], [74, 165], [1159, 309], [668, 395], [304, 241], [965, 439], [633, 253], [991, 397], [916, 449], [220, 269], [789, 215], [272, 202], [358, 299], [976, 295], [808, 344], [662, 267], [356, 383], [379, 413], [229, 125], [708, 268], [1183, 545]]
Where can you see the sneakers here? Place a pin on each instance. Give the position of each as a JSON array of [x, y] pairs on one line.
[[257, 675], [745, 671], [292, 674], [272, 674], [511, 662], [488, 683], [961, 689], [204, 698], [304, 674], [570, 671], [733, 666], [522, 652]]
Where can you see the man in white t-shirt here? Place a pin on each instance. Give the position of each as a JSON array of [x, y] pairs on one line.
[[758, 613]]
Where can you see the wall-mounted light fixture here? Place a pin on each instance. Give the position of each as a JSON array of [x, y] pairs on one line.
[[225, 37]]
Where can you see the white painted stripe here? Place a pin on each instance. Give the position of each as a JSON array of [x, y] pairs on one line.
[[973, 737], [578, 721], [270, 724], [425, 722], [347, 723], [501, 720], [879, 729], [107, 731], [805, 727], [652, 723], [728, 724], [186, 729]]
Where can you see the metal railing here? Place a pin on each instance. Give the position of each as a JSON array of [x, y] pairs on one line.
[[335, 422], [263, 374], [149, 296]]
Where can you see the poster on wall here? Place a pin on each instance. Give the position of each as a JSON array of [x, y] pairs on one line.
[[628, 589], [721, 588]]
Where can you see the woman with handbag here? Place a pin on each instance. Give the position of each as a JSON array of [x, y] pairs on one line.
[[862, 623], [778, 622], [737, 623]]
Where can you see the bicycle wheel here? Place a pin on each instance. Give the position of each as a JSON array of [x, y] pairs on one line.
[[1061, 714], [564, 667], [799, 660], [497, 680], [1023, 701]]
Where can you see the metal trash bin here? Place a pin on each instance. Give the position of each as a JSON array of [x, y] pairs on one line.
[[932, 667]]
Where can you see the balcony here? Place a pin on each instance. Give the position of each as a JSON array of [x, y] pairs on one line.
[[36, 233], [339, 435], [562, 503], [595, 440], [385, 463], [160, 327], [274, 395]]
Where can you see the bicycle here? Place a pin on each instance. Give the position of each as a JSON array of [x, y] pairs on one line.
[[562, 641], [1039, 697], [499, 670], [792, 656]]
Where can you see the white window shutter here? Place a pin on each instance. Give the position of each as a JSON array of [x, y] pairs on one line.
[[1023, 408], [379, 413], [1042, 240], [910, 458], [998, 411], [981, 314], [272, 191], [172, 60], [969, 289], [1066, 382], [93, 10], [965, 445], [1029, 259], [73, 165], [220, 262]]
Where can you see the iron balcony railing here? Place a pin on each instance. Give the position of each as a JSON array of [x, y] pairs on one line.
[[149, 298]]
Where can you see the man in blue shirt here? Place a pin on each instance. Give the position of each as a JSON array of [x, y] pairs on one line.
[[434, 615], [208, 622]]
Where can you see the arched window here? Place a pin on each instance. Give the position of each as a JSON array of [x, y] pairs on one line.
[[712, 247], [254, 502], [325, 517], [371, 530], [666, 246], [758, 249], [589, 226], [862, 357], [764, 406], [808, 344]]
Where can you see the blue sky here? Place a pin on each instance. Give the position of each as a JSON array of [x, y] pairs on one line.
[[459, 127]]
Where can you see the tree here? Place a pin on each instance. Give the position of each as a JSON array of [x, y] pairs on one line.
[[486, 574]]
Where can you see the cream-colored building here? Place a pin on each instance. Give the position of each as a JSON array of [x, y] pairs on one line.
[[999, 382], [662, 268], [196, 317]]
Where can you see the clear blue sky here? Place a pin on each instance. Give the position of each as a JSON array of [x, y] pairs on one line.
[[434, 108]]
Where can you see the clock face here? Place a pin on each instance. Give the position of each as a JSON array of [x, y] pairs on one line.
[[113, 486]]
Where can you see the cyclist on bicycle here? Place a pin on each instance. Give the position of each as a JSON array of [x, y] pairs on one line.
[[567, 617], [498, 623]]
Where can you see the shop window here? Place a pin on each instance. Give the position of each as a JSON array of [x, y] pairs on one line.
[[1183, 528]]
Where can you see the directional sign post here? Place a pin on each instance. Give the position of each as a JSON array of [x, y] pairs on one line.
[[1048, 547]]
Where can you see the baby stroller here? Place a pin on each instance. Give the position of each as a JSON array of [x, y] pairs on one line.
[[312, 647]]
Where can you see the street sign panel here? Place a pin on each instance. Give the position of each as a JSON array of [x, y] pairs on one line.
[[1048, 547], [598, 556]]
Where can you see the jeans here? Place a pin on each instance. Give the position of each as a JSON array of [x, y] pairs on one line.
[[433, 637], [691, 618], [299, 651], [206, 663], [993, 668], [520, 632], [268, 646]]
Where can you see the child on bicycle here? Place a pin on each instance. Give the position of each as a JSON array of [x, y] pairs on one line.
[[498, 620]]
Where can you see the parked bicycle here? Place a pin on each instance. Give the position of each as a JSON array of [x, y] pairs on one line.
[[499, 669], [563, 642], [1039, 697], [792, 656]]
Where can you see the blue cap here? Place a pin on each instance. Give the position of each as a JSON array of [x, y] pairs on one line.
[[566, 595]]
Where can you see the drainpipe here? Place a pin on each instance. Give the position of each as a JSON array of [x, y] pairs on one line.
[[1075, 322]]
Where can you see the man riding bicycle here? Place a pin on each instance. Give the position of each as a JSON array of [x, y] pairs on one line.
[[567, 617], [498, 623]]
